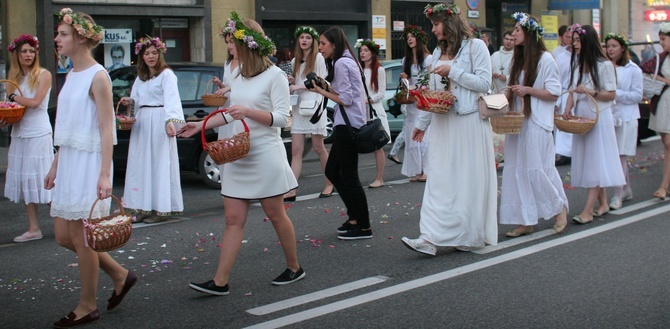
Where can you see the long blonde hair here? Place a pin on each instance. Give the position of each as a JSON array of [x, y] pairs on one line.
[[250, 61], [16, 75], [310, 63]]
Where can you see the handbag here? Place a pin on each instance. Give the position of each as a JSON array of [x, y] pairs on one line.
[[652, 87], [492, 106], [309, 107]]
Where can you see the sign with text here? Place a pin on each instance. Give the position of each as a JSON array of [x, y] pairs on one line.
[[573, 4], [656, 15], [118, 36], [549, 22]]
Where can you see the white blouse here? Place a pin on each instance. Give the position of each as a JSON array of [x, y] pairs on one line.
[[35, 121], [607, 82], [158, 91], [628, 92], [542, 112]]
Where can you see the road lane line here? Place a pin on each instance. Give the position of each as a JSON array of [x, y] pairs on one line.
[[515, 241], [637, 206], [308, 298], [414, 284]]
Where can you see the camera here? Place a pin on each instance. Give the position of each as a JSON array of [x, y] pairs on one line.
[[314, 80]]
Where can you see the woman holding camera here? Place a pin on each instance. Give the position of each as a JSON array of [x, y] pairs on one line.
[[309, 60], [348, 92]]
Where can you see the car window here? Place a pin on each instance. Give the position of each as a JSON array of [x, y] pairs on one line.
[[392, 77], [187, 82], [205, 78]]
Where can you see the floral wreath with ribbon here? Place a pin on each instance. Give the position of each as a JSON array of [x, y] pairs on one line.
[[83, 27], [368, 43], [417, 32], [451, 9], [618, 37], [306, 29], [529, 23], [252, 39], [149, 41], [576, 28], [24, 38]]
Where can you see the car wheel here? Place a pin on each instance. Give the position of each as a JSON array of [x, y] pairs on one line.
[[209, 171], [329, 138]]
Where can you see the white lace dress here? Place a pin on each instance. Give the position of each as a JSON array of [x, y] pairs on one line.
[[414, 159], [301, 123], [79, 156]]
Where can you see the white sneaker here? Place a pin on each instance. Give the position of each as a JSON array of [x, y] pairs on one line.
[[420, 245], [27, 236], [627, 195], [615, 203]]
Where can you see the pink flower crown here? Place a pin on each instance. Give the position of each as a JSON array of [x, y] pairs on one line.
[[24, 38], [576, 28], [149, 41]]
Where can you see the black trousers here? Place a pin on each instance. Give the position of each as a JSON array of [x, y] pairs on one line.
[[342, 171]]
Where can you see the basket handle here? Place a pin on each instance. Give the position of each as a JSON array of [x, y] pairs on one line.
[[86, 221], [204, 124], [116, 112], [590, 97], [15, 85]]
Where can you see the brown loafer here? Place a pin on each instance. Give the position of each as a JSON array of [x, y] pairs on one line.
[[115, 300], [69, 321]]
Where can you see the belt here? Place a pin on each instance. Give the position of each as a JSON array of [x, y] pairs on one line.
[[143, 106]]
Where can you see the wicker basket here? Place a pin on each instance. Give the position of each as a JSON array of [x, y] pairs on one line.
[[227, 149], [402, 94], [213, 100], [124, 121], [15, 113], [577, 125], [510, 123], [110, 232], [439, 102]]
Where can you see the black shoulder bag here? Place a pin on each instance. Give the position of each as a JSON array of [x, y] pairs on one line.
[[371, 136]]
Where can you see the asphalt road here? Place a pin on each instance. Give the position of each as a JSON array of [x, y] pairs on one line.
[[609, 274]]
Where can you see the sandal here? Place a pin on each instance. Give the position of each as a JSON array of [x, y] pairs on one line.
[[661, 193], [578, 219], [599, 212]]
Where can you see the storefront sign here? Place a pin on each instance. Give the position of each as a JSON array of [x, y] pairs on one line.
[[473, 13], [398, 25], [658, 3], [171, 23], [549, 21], [118, 36], [573, 4], [656, 15]]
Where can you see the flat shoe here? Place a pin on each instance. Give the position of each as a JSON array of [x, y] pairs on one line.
[[516, 233], [115, 300], [322, 195], [597, 213], [579, 220], [376, 184], [560, 227], [69, 321], [394, 159]]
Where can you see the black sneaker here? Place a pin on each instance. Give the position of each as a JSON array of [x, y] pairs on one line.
[[288, 277], [210, 287], [355, 234], [346, 227]]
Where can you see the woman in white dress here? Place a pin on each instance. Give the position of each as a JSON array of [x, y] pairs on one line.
[[153, 183], [259, 95], [416, 62], [531, 185], [375, 81], [625, 110], [459, 202], [307, 59], [659, 120], [82, 169], [595, 155], [31, 150]]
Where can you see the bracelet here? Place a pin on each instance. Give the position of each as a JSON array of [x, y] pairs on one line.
[[11, 97]]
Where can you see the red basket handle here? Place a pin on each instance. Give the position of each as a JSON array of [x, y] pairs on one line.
[[204, 124]]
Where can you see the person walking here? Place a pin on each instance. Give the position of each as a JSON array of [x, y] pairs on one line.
[[531, 185], [595, 156], [625, 110], [347, 90], [459, 201], [259, 96], [416, 62], [375, 81], [82, 169], [153, 184], [659, 120], [31, 150], [307, 60]]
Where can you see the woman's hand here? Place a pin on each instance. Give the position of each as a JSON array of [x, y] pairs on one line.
[[238, 112], [217, 82], [294, 88], [291, 79], [567, 114], [190, 129], [222, 91], [50, 179], [403, 75], [170, 130], [520, 90], [104, 187], [417, 135], [581, 89], [126, 101], [443, 70]]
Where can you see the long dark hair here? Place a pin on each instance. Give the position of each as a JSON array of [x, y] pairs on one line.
[[526, 57], [336, 36], [590, 53], [374, 67], [421, 51]]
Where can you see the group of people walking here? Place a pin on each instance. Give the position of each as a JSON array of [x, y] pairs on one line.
[[454, 150]]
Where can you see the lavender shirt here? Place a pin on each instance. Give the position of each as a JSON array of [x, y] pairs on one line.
[[348, 83]]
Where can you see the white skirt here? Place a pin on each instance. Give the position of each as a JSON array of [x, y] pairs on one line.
[[416, 153], [531, 185], [626, 138], [302, 125], [76, 185], [28, 163]]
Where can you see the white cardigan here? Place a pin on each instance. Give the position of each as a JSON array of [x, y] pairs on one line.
[[628, 92]]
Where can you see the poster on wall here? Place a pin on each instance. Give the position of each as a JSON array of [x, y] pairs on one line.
[[63, 63], [117, 55]]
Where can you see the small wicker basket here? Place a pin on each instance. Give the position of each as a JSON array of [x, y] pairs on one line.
[[213, 100], [227, 149], [439, 102], [402, 94], [110, 232], [124, 121], [577, 125], [14, 113], [510, 123]]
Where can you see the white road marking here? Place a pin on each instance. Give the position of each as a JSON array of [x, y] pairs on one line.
[[414, 284], [637, 206], [515, 241], [304, 299]]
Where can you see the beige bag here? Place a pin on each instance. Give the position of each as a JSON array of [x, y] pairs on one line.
[[308, 107], [492, 106]]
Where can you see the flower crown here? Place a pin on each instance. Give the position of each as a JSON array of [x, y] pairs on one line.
[[369, 43], [618, 37], [451, 9], [253, 39], [664, 27], [477, 31], [83, 27], [24, 38], [149, 41], [417, 32], [576, 28], [306, 29], [529, 23]]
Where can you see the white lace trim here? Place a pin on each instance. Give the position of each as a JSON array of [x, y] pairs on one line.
[[78, 141]]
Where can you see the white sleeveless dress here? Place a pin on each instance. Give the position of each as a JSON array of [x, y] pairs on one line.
[[79, 156]]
